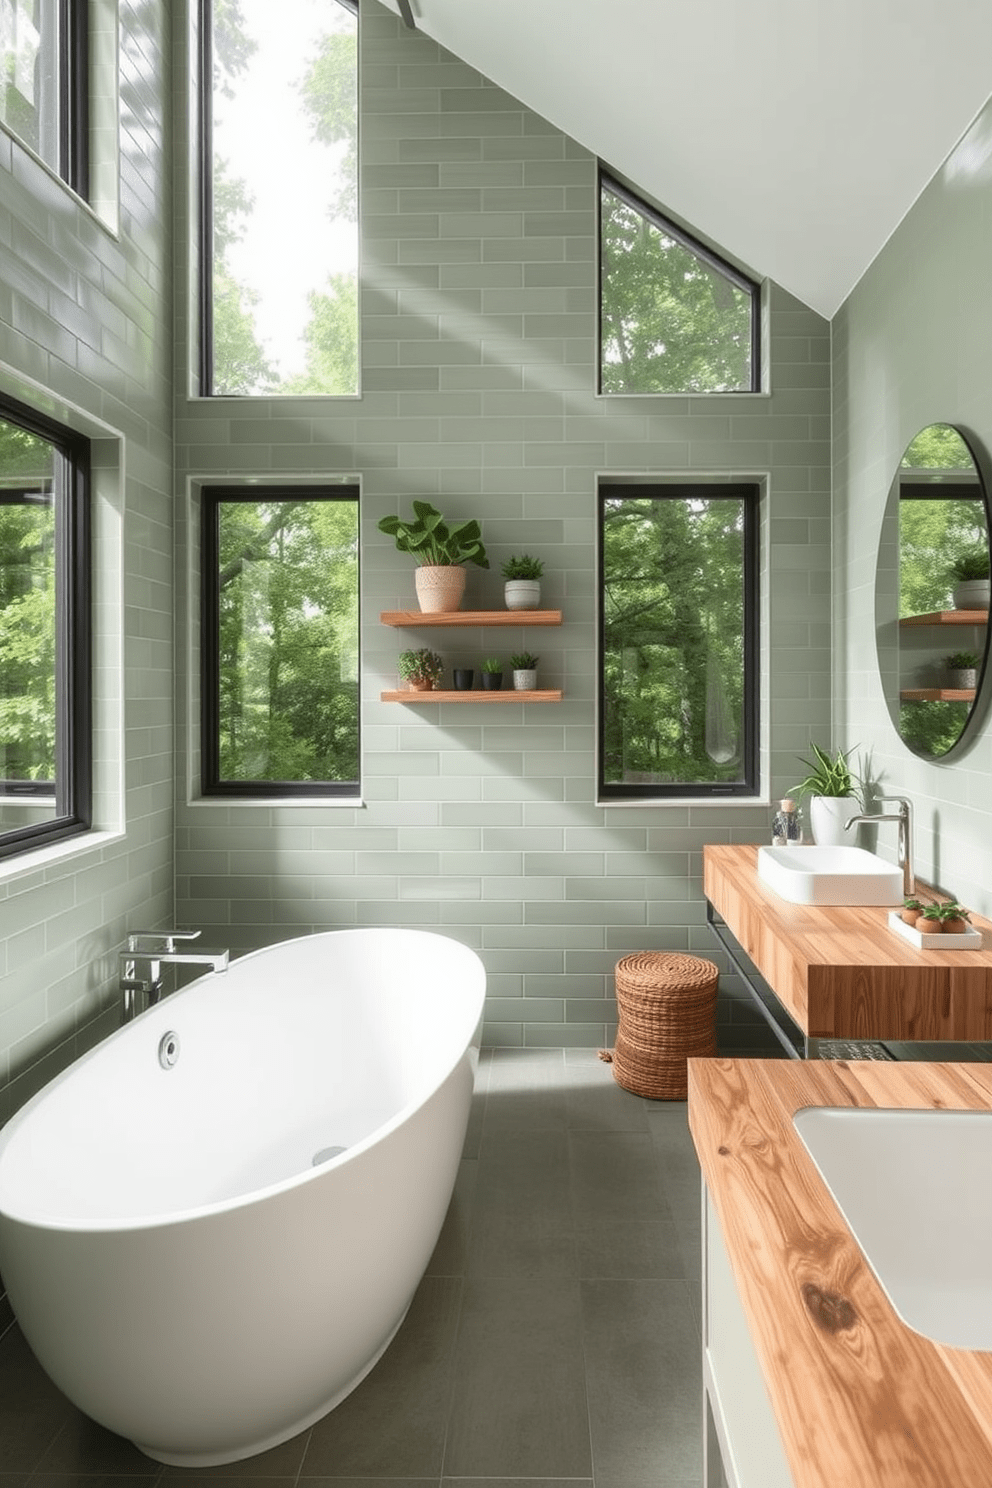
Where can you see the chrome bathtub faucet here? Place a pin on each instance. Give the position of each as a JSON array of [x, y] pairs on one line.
[[147, 952], [904, 816]]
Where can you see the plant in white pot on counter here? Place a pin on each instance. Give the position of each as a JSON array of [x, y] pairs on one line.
[[522, 590], [836, 793], [441, 552], [524, 666]]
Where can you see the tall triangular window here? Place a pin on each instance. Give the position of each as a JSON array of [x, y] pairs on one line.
[[674, 317]]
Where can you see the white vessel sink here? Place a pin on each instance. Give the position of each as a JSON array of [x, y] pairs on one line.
[[829, 875], [914, 1189]]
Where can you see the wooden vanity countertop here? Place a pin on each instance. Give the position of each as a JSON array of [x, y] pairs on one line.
[[860, 1398], [842, 972]]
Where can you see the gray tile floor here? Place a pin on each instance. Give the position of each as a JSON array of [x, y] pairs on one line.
[[555, 1335]]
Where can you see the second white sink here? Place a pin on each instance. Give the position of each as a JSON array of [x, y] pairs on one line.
[[915, 1190], [830, 875]]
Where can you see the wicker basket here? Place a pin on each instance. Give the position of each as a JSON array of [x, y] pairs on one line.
[[666, 1003]]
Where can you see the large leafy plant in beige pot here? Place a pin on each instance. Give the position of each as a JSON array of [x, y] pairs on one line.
[[441, 553], [836, 793]]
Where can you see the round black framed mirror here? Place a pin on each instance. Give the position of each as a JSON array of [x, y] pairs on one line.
[[932, 592]]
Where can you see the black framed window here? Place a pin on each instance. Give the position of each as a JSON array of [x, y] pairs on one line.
[[279, 660], [278, 126], [44, 96], [674, 316], [678, 640], [45, 714]]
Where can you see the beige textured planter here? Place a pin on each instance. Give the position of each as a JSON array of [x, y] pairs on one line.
[[522, 594], [440, 589]]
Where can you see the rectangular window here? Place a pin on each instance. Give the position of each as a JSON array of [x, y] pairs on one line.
[[44, 52], [674, 317], [279, 202], [678, 644], [279, 658], [45, 741]]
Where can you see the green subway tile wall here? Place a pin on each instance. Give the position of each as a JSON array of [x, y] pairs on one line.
[[478, 346]]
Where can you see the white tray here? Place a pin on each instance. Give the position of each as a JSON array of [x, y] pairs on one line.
[[971, 940]]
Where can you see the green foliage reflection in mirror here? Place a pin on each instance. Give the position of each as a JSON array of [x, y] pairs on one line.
[[936, 527]]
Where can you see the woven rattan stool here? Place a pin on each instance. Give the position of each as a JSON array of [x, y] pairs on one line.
[[666, 1003]]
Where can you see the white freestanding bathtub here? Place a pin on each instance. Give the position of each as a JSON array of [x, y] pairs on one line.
[[191, 1257]]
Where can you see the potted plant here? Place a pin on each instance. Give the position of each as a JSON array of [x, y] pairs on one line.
[[836, 793], [422, 669], [441, 553], [524, 667], [930, 921], [911, 911], [492, 674], [953, 918], [522, 590], [969, 573], [962, 668]]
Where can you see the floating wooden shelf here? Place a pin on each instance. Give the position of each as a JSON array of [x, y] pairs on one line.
[[470, 617], [948, 617], [474, 695], [938, 695]]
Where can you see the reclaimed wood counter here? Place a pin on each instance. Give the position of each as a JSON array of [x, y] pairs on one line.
[[841, 972], [859, 1398]]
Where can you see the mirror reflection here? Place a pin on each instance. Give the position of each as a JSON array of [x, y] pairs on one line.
[[932, 592]]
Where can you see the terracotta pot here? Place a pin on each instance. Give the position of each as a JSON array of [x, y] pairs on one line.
[[956, 927], [439, 588], [910, 916], [419, 684], [930, 927]]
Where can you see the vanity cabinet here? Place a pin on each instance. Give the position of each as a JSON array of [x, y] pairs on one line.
[[462, 619]]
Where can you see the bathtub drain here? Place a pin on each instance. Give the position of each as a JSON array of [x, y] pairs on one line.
[[325, 1154], [168, 1049]]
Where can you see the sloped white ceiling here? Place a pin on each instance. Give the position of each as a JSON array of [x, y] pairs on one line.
[[794, 134]]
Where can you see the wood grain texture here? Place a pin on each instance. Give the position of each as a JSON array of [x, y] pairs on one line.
[[410, 618], [473, 695], [861, 1400], [948, 617], [841, 972]]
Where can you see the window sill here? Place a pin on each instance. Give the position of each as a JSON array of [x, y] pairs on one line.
[[332, 803], [679, 802], [35, 858]]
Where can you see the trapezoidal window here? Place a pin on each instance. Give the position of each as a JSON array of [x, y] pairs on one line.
[[279, 197], [44, 53], [45, 730], [678, 641], [674, 317], [279, 641]]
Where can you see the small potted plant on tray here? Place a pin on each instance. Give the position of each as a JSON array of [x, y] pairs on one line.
[[492, 674], [524, 667], [522, 590], [421, 670], [953, 918]]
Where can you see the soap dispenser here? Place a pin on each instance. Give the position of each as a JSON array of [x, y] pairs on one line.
[[786, 827]]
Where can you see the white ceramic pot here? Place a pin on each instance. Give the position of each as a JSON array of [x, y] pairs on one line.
[[522, 594], [524, 679], [439, 588], [827, 815], [972, 594]]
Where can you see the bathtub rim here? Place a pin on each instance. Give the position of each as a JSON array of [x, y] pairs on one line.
[[170, 1217]]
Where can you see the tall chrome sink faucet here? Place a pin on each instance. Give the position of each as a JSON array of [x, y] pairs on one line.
[[147, 952], [904, 816]]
